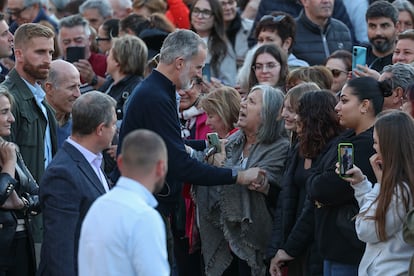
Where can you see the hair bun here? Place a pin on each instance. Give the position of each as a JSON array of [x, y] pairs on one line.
[[386, 87]]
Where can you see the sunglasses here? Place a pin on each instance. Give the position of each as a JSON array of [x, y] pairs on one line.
[[275, 19], [337, 72], [387, 87], [102, 38]]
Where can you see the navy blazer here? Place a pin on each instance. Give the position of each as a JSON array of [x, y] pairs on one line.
[[69, 186]]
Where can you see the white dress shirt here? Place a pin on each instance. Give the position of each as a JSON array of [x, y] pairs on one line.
[[123, 234]]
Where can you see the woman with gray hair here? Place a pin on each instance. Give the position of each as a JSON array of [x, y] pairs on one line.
[[235, 221]]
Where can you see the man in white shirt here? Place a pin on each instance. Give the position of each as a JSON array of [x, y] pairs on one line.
[[122, 233], [73, 180]]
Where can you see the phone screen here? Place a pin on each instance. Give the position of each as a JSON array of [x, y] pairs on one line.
[[345, 158], [74, 54]]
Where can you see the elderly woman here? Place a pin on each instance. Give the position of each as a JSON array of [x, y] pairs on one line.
[[18, 200], [222, 107], [235, 221]]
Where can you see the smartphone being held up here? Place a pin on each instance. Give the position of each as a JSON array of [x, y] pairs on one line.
[[359, 56], [214, 141], [73, 54], [345, 158]]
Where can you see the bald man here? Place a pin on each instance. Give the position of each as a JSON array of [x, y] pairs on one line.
[[62, 89], [131, 239]]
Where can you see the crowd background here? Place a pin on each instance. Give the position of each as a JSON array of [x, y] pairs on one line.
[[273, 78]]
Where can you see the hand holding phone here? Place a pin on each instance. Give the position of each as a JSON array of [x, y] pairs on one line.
[[345, 158], [359, 57], [214, 141], [73, 54]]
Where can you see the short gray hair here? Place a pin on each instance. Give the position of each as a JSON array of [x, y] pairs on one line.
[[90, 110], [75, 20], [272, 126], [180, 43], [402, 75], [103, 7]]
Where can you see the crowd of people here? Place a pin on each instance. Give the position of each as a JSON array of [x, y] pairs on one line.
[[107, 106]]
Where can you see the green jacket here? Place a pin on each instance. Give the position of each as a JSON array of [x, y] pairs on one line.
[[28, 130]]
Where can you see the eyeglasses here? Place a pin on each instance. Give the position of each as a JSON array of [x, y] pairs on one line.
[[204, 13], [102, 39], [262, 67], [275, 19], [15, 12], [337, 72], [228, 3]]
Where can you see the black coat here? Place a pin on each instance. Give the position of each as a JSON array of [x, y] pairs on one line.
[[335, 233], [314, 44]]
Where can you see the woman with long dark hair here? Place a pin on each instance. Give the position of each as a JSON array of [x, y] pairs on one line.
[[207, 21], [317, 127]]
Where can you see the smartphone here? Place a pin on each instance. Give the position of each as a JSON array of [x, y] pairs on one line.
[[214, 141], [359, 56], [74, 54], [345, 158], [206, 72]]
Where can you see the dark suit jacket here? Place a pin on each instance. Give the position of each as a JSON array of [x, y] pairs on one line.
[[68, 188]]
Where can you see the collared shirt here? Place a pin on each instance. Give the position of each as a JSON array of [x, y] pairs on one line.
[[91, 158], [123, 234], [39, 96]]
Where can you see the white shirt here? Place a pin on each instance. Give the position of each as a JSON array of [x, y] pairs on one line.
[[93, 159], [390, 257], [123, 234]]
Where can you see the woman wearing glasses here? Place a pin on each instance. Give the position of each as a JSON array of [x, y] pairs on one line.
[[269, 66], [207, 21], [340, 64]]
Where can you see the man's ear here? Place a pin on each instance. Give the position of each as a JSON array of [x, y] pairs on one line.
[[48, 87], [18, 53], [179, 63]]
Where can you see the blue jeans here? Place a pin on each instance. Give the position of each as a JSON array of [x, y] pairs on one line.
[[331, 268]]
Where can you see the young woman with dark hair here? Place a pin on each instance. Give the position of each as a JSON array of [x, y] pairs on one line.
[[207, 21], [292, 237]]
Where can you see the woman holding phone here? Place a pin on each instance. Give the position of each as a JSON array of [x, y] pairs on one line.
[[383, 206], [332, 198]]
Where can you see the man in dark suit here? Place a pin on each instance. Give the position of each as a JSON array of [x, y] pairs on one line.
[[73, 181]]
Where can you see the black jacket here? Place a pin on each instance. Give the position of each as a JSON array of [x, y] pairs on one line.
[[314, 44], [120, 91], [335, 240], [293, 228], [25, 186]]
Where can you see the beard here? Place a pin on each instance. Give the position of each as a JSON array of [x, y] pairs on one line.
[[185, 79], [384, 45], [34, 71]]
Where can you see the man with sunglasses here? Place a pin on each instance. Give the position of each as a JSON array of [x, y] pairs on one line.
[[27, 11], [318, 34]]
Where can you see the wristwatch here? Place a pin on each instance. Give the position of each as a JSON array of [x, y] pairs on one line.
[[94, 80]]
